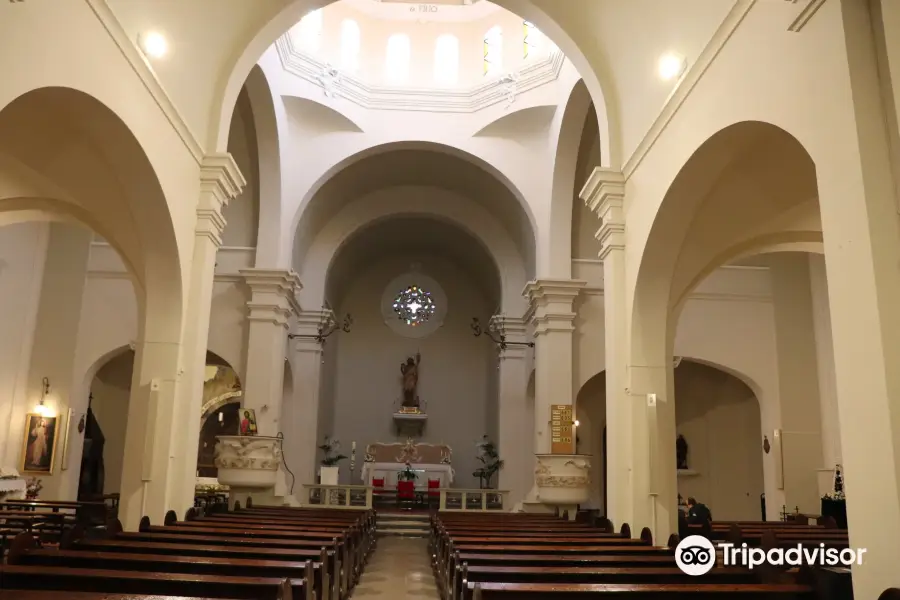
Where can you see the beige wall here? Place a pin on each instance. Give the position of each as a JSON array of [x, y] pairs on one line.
[[22, 250], [718, 415], [111, 390], [458, 370]]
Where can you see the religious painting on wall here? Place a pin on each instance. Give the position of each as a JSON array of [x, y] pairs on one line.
[[248, 421], [39, 446]]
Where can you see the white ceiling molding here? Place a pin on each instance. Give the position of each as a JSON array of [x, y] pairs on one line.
[[809, 10], [336, 83]]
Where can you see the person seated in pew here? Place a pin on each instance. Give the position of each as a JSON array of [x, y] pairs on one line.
[[698, 513]]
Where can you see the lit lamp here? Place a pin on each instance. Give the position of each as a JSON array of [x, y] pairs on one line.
[[41, 408]]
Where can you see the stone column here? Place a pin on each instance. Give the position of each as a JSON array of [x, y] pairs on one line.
[[859, 206], [272, 301], [604, 194], [798, 381], [220, 182], [301, 428], [553, 314], [516, 419]]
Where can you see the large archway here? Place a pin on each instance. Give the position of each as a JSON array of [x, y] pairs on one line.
[[749, 187], [286, 16]]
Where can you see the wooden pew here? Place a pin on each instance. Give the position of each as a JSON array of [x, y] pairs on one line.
[[25, 552], [670, 591], [50, 595], [556, 564], [23, 577]]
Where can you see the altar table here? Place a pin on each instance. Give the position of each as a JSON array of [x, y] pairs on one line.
[[390, 471], [387, 461]]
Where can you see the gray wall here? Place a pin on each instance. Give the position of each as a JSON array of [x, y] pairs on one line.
[[458, 376]]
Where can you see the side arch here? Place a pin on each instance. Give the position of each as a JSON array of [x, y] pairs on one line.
[[567, 135]]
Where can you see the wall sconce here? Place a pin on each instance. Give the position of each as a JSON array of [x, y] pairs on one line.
[[492, 329], [576, 422], [326, 328], [41, 409]]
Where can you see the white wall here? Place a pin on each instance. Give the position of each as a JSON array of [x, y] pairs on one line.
[[22, 250], [719, 418], [455, 376]]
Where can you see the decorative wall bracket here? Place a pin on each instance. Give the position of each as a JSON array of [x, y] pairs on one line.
[[495, 329], [327, 326]]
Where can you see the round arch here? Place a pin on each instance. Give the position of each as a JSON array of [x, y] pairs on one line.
[[563, 190], [308, 206], [436, 204], [268, 140], [595, 73], [101, 176], [736, 180]]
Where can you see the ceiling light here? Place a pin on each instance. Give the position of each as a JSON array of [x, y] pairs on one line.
[[671, 66], [154, 44]]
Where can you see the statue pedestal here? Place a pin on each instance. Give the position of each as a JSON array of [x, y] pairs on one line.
[[563, 480], [248, 466], [410, 422]]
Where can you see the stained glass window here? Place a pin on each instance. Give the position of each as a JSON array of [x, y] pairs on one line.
[[493, 51], [533, 39], [414, 306]]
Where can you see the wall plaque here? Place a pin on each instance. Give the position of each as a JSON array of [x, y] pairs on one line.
[[562, 429]]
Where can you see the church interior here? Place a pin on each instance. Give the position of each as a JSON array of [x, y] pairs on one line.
[[457, 300]]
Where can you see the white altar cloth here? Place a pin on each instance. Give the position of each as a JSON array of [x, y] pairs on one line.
[[390, 470]]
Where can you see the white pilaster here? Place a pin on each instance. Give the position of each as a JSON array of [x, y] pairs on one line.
[[516, 417], [302, 432], [272, 301], [220, 182], [604, 194], [552, 310]]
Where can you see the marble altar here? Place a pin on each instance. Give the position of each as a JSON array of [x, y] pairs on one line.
[[429, 461]]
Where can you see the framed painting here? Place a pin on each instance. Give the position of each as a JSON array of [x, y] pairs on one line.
[[39, 445], [247, 421]]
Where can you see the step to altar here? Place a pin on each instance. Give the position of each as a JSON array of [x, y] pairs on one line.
[[412, 524]]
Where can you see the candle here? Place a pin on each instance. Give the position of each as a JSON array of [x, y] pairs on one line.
[[353, 447]]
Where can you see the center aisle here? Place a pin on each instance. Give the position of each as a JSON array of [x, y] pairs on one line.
[[399, 568]]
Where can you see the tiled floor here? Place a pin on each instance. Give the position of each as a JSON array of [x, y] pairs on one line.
[[399, 569]]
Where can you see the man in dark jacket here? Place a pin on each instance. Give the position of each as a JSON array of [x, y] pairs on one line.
[[698, 513]]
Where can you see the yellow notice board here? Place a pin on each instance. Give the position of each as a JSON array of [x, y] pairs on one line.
[[562, 429]]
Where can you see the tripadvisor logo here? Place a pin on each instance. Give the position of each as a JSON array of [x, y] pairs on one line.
[[696, 555]]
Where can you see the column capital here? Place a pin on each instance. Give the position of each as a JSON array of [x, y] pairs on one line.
[[220, 181], [604, 194], [273, 294], [552, 303]]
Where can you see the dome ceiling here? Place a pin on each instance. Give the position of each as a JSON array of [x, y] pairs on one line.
[[454, 11]]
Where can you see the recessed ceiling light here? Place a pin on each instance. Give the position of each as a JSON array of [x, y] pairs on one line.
[[671, 65], [154, 44]]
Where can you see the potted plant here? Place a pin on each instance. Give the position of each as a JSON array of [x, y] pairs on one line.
[[328, 472], [490, 462]]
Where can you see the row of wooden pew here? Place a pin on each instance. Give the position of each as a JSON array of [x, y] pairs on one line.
[[259, 553], [536, 557]]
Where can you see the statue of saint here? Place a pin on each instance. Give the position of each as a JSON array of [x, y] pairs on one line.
[[681, 452], [410, 372]]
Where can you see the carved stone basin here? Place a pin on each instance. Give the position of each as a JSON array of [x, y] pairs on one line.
[[563, 479], [247, 462]]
